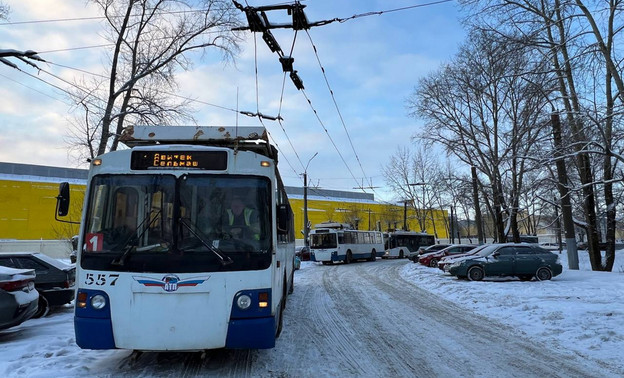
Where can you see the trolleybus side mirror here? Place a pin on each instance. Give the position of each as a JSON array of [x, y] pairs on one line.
[[62, 201], [283, 219]]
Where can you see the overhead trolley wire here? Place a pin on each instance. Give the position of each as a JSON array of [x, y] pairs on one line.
[[318, 23], [331, 92], [281, 101], [376, 13], [258, 110], [327, 133]]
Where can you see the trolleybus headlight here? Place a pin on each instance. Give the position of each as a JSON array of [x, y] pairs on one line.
[[98, 302], [243, 301]]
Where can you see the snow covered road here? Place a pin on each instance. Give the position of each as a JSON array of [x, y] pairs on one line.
[[357, 320]]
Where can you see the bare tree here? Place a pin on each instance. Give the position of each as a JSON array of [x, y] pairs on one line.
[[413, 176], [152, 40], [4, 11], [484, 108], [579, 43]]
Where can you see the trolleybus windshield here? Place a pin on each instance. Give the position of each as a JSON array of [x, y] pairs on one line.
[[164, 223], [325, 240]]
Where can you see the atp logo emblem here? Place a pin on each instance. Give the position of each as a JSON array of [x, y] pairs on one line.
[[170, 282]]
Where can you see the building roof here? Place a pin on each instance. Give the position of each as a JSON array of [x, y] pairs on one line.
[[28, 172]]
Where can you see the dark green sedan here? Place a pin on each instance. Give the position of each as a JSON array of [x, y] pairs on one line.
[[522, 260]]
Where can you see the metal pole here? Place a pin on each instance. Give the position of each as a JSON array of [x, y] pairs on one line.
[[305, 209], [306, 229], [452, 229], [405, 215]]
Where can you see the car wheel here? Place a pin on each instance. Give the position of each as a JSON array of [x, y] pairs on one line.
[[525, 277], [433, 263], [349, 258], [475, 273], [543, 274], [42, 308]]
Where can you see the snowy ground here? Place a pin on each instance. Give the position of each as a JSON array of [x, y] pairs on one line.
[[582, 311]]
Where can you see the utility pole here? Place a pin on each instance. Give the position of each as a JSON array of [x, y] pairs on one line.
[[306, 227], [451, 228], [405, 215]]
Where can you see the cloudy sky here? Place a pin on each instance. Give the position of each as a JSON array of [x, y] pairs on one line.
[[371, 63]]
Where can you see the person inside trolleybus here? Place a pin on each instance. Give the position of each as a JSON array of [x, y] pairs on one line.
[[241, 222]]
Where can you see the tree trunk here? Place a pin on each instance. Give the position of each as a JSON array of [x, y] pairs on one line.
[[475, 196], [564, 193]]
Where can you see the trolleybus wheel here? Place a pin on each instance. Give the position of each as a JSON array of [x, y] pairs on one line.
[[348, 258]]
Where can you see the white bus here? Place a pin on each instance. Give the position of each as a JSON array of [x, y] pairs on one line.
[[165, 262], [330, 245], [401, 243]]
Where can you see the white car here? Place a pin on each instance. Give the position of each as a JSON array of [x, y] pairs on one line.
[[550, 246]]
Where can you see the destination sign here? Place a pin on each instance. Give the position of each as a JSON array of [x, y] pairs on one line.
[[208, 160]]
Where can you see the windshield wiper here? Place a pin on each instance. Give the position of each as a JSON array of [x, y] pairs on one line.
[[223, 258], [127, 248]]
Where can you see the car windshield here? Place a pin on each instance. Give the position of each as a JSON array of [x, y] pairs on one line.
[[192, 223], [487, 250]]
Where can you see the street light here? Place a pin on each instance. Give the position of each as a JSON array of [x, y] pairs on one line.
[[405, 204], [305, 202]]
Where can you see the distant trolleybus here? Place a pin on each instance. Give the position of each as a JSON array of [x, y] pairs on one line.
[[186, 242], [333, 243], [401, 243]]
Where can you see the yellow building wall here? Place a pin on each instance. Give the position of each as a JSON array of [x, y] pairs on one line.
[[27, 210], [368, 216]]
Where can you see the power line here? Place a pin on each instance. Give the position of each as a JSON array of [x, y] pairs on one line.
[[112, 44], [247, 113], [318, 23], [34, 89], [102, 17]]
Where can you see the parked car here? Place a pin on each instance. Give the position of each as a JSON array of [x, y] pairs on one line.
[[431, 259], [550, 246], [521, 260], [446, 261], [303, 252], [423, 250], [54, 281], [18, 297]]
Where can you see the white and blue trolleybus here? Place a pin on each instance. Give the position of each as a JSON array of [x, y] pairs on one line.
[[334, 242], [404, 243], [186, 242]]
